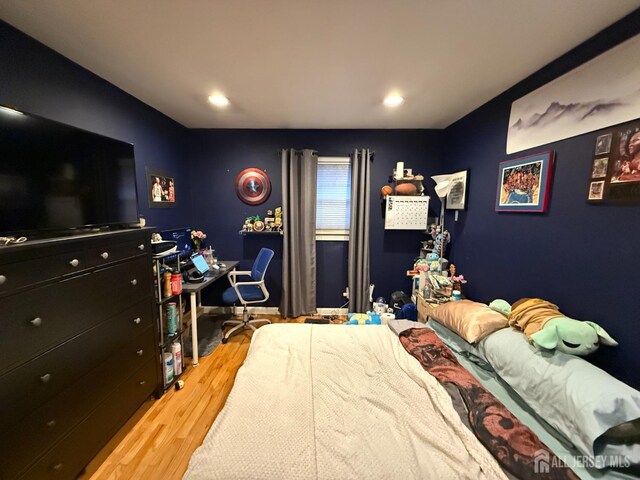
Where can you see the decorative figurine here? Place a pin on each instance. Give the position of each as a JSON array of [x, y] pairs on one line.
[[258, 225], [278, 219]]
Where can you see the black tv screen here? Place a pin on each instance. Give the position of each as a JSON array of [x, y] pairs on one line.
[[54, 177]]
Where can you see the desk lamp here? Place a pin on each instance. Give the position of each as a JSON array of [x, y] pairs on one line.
[[443, 187]]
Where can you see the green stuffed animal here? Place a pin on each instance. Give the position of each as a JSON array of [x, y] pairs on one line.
[[546, 327], [572, 336]]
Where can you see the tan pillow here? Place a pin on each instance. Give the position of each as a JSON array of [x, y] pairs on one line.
[[471, 320]]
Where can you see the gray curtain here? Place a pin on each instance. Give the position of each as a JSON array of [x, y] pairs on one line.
[[299, 177], [359, 278]]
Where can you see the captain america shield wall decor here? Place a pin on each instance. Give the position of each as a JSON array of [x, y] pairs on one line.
[[253, 186]]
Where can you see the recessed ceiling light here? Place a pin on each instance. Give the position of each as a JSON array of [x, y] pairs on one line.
[[10, 111], [219, 100], [393, 100]]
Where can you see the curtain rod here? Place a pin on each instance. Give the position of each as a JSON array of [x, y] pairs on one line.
[[371, 154]]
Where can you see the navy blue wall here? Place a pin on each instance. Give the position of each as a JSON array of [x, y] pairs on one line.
[[582, 257], [35, 79], [219, 155]]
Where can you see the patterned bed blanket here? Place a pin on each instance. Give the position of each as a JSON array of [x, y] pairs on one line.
[[513, 444]]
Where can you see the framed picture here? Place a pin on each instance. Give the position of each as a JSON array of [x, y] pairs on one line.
[[161, 189], [457, 197], [603, 144], [596, 190], [586, 99], [615, 168], [524, 183], [599, 169]]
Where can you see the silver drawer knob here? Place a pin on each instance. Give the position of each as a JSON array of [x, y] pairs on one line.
[[36, 322], [134, 282], [2, 279], [75, 262], [141, 246], [51, 423], [137, 320], [58, 467], [45, 378], [140, 352], [143, 382], [104, 255]]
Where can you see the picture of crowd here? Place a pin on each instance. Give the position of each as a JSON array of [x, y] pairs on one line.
[[521, 184]]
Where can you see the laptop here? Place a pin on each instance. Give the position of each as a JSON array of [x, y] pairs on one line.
[[200, 264]]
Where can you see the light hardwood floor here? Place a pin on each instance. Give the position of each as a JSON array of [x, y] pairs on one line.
[[159, 440]]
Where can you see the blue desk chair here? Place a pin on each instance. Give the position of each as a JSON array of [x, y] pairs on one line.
[[253, 291]]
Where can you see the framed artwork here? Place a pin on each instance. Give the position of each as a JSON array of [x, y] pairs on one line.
[[253, 186], [615, 167], [597, 94], [524, 183], [457, 197], [161, 189]]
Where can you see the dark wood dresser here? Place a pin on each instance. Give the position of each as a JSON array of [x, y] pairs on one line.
[[78, 348]]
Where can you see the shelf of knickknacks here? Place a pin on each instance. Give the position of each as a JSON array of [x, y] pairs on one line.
[[244, 233], [271, 225]]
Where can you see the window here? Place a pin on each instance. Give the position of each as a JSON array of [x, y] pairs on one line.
[[333, 209]]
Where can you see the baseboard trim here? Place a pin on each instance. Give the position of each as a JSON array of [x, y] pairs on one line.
[[332, 311], [268, 310]]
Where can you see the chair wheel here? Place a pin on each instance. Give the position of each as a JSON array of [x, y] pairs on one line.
[[224, 340]]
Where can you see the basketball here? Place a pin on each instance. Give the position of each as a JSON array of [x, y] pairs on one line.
[[386, 190]]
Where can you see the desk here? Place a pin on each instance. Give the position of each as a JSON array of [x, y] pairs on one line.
[[194, 289]]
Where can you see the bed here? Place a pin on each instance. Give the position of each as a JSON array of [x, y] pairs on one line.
[[337, 402]]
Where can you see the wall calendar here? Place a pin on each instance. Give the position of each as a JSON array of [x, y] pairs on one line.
[[406, 213]]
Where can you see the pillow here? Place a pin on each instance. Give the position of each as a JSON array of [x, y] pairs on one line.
[[582, 402], [471, 320], [459, 345]]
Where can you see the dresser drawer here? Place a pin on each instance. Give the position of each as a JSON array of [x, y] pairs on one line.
[[27, 440], [25, 388], [113, 252], [38, 319], [67, 458], [21, 274]]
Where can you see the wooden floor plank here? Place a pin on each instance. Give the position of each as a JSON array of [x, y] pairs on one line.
[[160, 439]]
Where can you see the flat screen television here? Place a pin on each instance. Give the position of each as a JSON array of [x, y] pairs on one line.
[[57, 179]]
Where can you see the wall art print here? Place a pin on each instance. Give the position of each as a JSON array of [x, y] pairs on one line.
[[161, 189], [615, 167], [524, 183], [253, 186], [602, 92], [457, 197]]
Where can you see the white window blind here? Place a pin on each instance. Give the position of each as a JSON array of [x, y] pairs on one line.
[[333, 209]]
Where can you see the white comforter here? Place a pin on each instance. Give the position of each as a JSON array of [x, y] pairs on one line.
[[337, 402]]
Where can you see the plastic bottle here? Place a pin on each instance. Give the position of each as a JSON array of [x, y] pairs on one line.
[[176, 350], [167, 283], [172, 320], [168, 368]]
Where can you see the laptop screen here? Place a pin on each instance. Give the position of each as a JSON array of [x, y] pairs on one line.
[[200, 263]]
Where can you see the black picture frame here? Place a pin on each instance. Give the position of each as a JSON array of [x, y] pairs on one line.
[[161, 188]]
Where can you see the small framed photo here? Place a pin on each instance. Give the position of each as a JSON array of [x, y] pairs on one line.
[[603, 144], [599, 169], [524, 183], [596, 190], [161, 188], [457, 197]]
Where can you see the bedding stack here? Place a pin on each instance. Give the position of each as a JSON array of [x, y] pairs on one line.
[[588, 408]]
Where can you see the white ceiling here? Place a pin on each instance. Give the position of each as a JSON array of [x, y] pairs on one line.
[[313, 64]]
